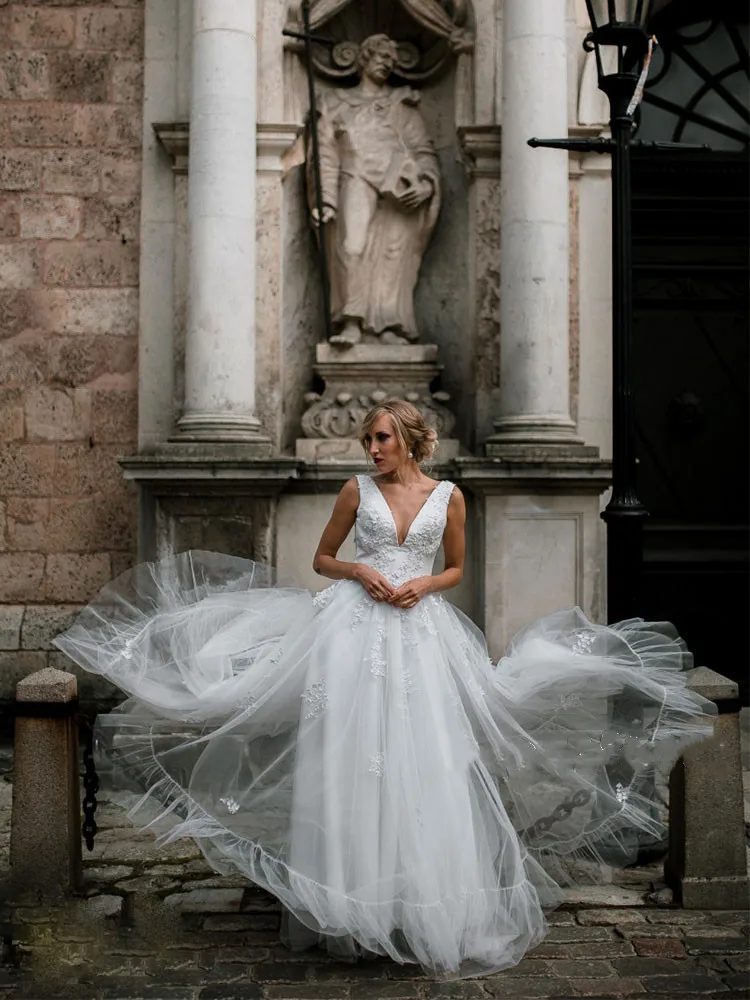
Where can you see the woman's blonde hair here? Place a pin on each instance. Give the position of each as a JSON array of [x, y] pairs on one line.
[[417, 439]]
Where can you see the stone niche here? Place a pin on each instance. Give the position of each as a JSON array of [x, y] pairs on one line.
[[436, 370]]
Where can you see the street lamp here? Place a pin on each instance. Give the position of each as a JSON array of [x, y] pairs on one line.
[[622, 45]]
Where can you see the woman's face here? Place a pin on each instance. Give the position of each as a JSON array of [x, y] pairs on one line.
[[383, 446]]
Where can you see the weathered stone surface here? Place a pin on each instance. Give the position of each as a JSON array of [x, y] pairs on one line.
[[19, 169], [127, 81], [58, 414], [114, 415], [81, 359], [14, 317], [384, 991], [10, 222], [596, 896], [107, 873], [47, 685], [80, 76], [14, 666], [582, 969], [610, 917], [206, 901], [11, 414], [45, 842], [41, 28], [111, 30], [21, 575], [87, 265], [18, 266], [45, 217], [11, 617], [702, 945], [111, 217], [83, 469], [148, 884], [683, 986], [583, 949], [576, 933], [26, 469], [90, 310], [72, 577], [70, 171], [41, 623], [23, 76], [120, 174], [605, 988], [102, 907], [511, 988]]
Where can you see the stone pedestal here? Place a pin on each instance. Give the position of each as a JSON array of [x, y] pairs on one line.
[[706, 864], [358, 377], [45, 831]]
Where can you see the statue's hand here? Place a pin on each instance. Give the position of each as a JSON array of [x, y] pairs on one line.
[[329, 214], [417, 195]]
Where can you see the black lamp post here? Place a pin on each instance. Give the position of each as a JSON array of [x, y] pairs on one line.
[[621, 43], [621, 29]]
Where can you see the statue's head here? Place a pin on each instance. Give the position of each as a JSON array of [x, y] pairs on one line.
[[378, 57]]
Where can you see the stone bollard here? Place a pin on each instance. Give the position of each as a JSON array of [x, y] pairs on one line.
[[45, 830], [706, 863]]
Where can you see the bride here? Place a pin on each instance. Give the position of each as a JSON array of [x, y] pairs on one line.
[[357, 753]]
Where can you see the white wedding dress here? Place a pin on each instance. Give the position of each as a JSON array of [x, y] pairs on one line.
[[370, 766]]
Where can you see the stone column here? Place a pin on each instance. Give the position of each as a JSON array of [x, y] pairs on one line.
[[220, 336], [534, 407], [45, 826]]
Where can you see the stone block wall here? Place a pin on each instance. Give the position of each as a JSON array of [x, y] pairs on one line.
[[70, 137]]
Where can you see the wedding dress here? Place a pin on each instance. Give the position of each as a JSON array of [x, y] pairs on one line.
[[370, 766]]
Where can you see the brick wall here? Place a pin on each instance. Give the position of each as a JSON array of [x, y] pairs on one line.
[[70, 127]]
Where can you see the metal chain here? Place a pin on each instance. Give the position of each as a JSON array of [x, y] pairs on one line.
[[90, 787], [561, 812]]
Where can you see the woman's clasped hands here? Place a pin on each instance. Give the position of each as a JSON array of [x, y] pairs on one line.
[[406, 596]]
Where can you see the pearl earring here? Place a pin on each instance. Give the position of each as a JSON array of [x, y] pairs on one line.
[[411, 454]]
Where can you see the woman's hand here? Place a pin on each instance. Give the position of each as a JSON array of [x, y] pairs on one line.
[[374, 583], [410, 594]]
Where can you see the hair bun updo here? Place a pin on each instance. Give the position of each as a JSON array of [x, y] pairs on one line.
[[414, 434]]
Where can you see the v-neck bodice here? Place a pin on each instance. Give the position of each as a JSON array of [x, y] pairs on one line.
[[377, 535]]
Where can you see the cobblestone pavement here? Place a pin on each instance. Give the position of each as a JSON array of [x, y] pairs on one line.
[[157, 923]]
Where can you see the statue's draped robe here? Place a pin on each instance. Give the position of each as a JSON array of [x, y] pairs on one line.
[[375, 245]]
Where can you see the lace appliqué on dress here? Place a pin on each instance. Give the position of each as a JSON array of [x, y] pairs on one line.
[[315, 697], [377, 765], [583, 641]]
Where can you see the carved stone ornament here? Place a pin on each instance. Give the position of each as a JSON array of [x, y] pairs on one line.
[[358, 378], [430, 33], [342, 415]]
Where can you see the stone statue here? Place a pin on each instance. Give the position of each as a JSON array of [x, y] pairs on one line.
[[381, 198]]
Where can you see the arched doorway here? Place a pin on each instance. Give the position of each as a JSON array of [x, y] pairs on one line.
[[690, 259]]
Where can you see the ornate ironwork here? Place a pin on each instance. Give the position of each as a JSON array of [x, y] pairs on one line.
[[678, 47], [90, 787]]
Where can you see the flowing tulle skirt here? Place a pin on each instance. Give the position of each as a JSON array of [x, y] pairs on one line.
[[398, 792]]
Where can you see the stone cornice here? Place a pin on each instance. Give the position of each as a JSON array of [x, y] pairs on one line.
[[481, 145], [230, 469], [272, 143]]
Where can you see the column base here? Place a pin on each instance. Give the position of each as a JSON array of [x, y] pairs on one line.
[[223, 428], [536, 437]]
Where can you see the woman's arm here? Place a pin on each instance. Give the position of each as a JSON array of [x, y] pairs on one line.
[[454, 550], [325, 562]]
